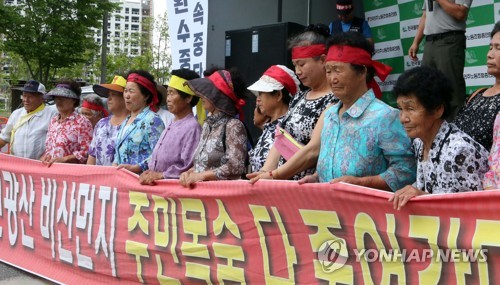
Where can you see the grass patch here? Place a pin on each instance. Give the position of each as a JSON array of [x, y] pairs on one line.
[[4, 113]]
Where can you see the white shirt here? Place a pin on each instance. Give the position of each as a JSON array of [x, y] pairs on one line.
[[165, 116], [29, 141]]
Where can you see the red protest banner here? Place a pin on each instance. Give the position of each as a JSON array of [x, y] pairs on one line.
[[81, 224]]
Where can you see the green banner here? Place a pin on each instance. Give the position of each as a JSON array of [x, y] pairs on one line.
[[394, 24]]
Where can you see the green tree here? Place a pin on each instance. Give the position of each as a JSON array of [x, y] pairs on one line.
[[162, 60], [121, 59], [52, 34]]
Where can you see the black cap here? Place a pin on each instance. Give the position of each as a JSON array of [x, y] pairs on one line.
[[344, 7]]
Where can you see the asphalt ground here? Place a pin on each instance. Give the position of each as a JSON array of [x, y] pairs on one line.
[[10, 275]]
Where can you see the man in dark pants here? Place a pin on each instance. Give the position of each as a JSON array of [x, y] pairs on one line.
[[443, 23], [347, 22]]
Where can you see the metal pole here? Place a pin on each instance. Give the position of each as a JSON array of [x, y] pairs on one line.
[[104, 48], [280, 11], [308, 12]]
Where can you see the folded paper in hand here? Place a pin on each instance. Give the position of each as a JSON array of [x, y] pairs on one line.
[[285, 143]]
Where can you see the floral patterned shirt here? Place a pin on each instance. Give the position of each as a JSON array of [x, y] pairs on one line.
[[456, 162], [476, 118], [302, 116], [226, 157], [367, 140], [492, 177], [103, 143], [69, 137], [135, 142], [259, 152]]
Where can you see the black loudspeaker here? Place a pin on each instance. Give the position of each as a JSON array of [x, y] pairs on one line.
[[254, 50]]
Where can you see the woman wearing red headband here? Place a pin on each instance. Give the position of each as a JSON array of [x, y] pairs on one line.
[[274, 90], [360, 140], [222, 151], [93, 108], [140, 131], [308, 57]]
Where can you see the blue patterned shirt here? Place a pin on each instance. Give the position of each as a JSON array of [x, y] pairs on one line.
[[367, 140], [135, 143]]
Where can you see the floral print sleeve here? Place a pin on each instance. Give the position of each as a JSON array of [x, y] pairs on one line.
[[84, 139], [71, 136], [154, 128], [233, 161], [135, 142], [470, 166], [222, 147], [492, 178], [456, 162], [102, 147]]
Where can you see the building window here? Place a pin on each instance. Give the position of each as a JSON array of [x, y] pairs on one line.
[[126, 27], [135, 11], [135, 27], [126, 10], [117, 26], [135, 19], [126, 19]]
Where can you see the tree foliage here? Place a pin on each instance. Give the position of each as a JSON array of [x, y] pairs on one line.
[[52, 34], [120, 61], [162, 60]]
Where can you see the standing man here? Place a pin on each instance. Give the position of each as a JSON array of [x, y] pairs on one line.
[[27, 127], [443, 24], [347, 22]]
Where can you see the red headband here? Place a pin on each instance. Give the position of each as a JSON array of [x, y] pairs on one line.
[[283, 77], [95, 107], [360, 56], [308, 51], [146, 83], [227, 89]]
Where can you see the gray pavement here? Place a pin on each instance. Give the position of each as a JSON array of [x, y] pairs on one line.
[[10, 275]]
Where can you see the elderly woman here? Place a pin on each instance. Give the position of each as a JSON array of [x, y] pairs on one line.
[[448, 160], [141, 130], [222, 150], [69, 133], [360, 140], [477, 116], [173, 154], [165, 115], [273, 90], [308, 57], [93, 108], [102, 148]]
